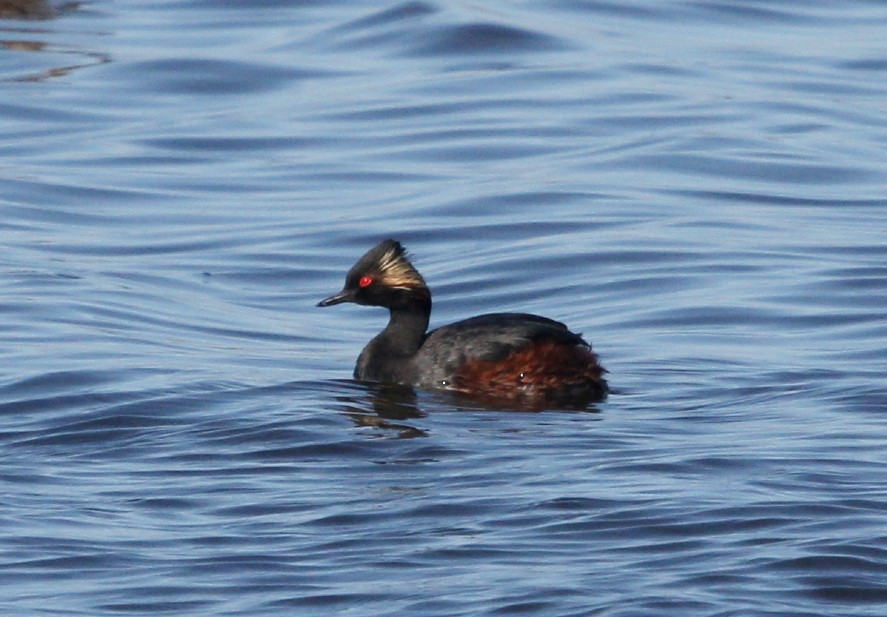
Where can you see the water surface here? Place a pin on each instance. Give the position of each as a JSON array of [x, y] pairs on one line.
[[698, 187]]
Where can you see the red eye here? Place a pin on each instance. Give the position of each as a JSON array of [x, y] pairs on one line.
[[365, 281]]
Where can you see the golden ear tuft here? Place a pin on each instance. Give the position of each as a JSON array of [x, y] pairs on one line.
[[396, 269]]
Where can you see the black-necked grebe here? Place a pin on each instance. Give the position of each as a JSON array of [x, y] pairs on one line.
[[509, 356]]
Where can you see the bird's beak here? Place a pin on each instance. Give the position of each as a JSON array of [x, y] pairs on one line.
[[339, 298]]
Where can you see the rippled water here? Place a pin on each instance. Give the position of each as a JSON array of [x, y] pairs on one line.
[[699, 187]]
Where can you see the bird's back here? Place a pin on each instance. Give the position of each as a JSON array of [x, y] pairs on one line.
[[510, 355]]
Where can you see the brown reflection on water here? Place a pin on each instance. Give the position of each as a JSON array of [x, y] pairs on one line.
[[39, 10], [86, 59], [28, 9], [391, 404]]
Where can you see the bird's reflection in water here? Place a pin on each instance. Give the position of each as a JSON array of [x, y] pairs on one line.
[[32, 9], [69, 58], [391, 405]]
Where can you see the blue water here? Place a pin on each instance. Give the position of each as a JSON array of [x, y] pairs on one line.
[[698, 187]]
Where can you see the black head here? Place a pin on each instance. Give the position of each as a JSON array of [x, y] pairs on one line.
[[382, 277]]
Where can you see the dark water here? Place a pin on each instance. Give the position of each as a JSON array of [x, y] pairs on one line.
[[699, 187]]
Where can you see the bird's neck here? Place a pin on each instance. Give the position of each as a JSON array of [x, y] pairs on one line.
[[388, 357], [406, 327]]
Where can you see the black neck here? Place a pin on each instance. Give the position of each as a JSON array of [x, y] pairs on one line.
[[407, 326], [387, 357]]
